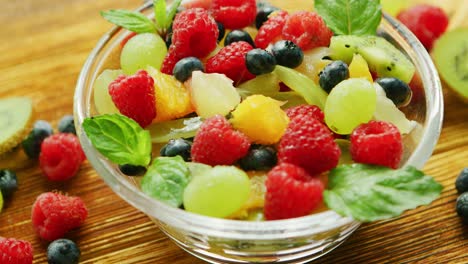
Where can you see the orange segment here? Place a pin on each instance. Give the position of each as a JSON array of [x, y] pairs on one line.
[[358, 68]]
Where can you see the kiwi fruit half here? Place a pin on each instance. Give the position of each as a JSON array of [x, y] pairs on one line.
[[16, 115], [450, 54]]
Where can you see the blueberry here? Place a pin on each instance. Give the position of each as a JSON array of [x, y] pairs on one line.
[[32, 143], [66, 125], [184, 68], [333, 74], [259, 158], [221, 30], [63, 251], [462, 206], [396, 90], [287, 53], [8, 183], [262, 14], [177, 147], [462, 181], [260, 61], [238, 35], [132, 170]]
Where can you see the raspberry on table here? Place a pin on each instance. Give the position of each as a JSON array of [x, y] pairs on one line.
[[234, 14], [378, 143], [291, 192], [134, 97], [61, 156], [271, 29], [308, 143], [427, 22], [312, 111], [217, 143], [308, 30], [230, 61], [54, 214], [15, 251]]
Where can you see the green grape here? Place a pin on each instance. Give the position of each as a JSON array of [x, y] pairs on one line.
[[162, 132], [393, 7], [141, 51], [219, 192], [265, 83], [102, 98], [349, 104]]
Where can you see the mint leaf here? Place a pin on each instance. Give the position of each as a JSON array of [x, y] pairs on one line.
[[369, 193], [303, 85], [350, 17], [166, 180], [160, 14], [172, 12], [119, 138], [133, 21]]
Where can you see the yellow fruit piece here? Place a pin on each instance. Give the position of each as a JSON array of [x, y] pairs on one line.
[[172, 98], [314, 63], [16, 117], [257, 195], [358, 68], [261, 119]]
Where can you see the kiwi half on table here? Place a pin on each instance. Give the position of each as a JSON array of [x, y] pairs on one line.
[[450, 54], [16, 116]]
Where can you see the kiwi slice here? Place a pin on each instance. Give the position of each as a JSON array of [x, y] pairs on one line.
[[15, 120], [450, 54], [383, 58]]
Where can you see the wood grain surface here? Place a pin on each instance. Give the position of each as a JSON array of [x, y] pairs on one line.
[[43, 44]]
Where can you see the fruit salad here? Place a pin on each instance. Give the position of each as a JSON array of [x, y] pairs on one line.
[[241, 110]]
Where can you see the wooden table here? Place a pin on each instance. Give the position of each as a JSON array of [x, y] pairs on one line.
[[43, 46]]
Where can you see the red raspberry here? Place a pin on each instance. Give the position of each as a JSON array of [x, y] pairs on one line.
[[234, 14], [217, 143], [170, 61], [134, 97], [14, 251], [61, 156], [426, 22], [54, 214], [271, 29], [291, 192], [311, 111], [307, 30], [378, 143], [309, 144], [230, 61]]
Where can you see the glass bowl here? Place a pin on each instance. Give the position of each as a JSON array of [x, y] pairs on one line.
[[295, 240]]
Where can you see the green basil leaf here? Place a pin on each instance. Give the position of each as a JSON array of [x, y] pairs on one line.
[[133, 21], [350, 17], [119, 138], [166, 180], [303, 85], [172, 12], [160, 13], [369, 193]]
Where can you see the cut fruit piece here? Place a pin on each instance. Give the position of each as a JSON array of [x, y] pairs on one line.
[[314, 63], [16, 115], [171, 96], [212, 94], [358, 68], [450, 55], [265, 83], [256, 198], [162, 132], [387, 111], [102, 99], [351, 103], [383, 58], [303, 85]]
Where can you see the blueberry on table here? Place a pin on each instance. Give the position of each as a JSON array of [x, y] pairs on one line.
[[462, 181], [238, 35], [184, 68], [260, 61], [63, 251], [396, 90], [332, 74], [462, 206], [287, 53], [132, 170], [259, 158], [8, 183], [263, 12], [67, 125], [32, 143], [177, 147]]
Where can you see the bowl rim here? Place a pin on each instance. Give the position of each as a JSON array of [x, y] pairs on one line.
[[227, 228]]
